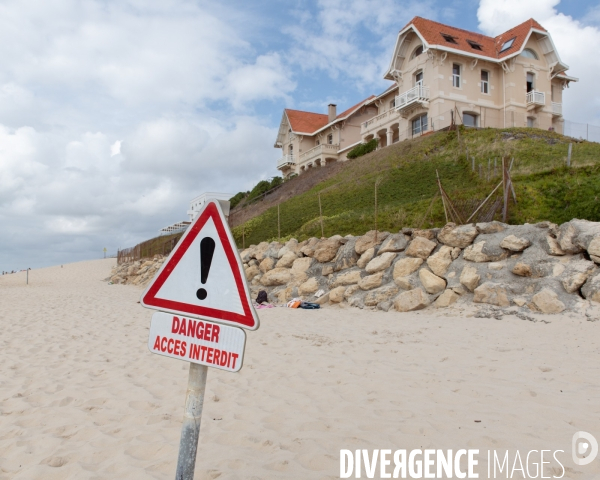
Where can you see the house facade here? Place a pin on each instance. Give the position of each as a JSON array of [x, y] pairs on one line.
[[441, 76], [447, 76], [309, 140]]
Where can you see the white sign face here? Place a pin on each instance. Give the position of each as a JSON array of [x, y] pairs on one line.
[[203, 277], [197, 341]]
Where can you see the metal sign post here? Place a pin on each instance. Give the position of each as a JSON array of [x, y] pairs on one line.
[[190, 430]]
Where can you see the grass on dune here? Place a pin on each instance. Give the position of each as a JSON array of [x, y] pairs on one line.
[[406, 175]]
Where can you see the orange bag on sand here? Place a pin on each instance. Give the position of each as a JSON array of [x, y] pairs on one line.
[[294, 303]]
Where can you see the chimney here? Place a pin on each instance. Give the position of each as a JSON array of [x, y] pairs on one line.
[[331, 113]]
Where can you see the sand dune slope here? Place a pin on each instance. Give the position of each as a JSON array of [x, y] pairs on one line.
[[82, 398]]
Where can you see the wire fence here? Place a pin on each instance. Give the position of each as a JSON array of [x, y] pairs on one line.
[[156, 246], [583, 131]]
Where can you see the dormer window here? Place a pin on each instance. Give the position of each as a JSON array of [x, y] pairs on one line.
[[418, 51], [474, 45], [507, 44], [449, 38]]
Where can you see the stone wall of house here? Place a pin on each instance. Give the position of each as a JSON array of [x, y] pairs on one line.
[[544, 267]]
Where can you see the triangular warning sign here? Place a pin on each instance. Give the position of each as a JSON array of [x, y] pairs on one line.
[[203, 276]]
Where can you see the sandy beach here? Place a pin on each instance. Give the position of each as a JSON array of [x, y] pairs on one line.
[[81, 397]]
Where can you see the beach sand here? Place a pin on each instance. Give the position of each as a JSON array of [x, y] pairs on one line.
[[81, 397]]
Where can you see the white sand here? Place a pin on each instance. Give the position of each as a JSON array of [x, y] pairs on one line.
[[81, 397]]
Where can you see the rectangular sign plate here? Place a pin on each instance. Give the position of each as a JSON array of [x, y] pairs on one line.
[[197, 341]]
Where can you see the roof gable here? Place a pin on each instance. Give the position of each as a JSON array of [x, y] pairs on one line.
[[310, 122], [305, 122], [474, 43]]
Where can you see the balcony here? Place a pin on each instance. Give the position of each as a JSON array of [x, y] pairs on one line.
[[557, 109], [535, 98], [286, 161], [416, 96], [378, 122], [323, 149]]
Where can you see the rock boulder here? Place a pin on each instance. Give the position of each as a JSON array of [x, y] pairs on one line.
[[457, 236]]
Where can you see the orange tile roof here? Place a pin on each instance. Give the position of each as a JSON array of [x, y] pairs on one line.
[[306, 122], [489, 46], [309, 122]]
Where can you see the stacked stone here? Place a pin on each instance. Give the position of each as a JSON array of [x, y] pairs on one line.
[[545, 267], [136, 273]]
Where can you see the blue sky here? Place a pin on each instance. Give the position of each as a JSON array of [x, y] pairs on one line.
[[114, 115]]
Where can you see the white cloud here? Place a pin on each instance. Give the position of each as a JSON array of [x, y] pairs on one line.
[[115, 114], [352, 39], [576, 44], [266, 79], [115, 148]]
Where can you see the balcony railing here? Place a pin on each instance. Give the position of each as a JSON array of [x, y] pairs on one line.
[[536, 98], [556, 108], [286, 161], [378, 121], [327, 148], [420, 93]]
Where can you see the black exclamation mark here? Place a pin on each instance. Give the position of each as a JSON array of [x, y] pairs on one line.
[[207, 248]]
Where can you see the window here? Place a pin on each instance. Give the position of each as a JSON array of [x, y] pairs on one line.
[[419, 78], [393, 103], [529, 53], [507, 44], [530, 78], [449, 38], [318, 142], [291, 148], [530, 122], [456, 75], [469, 120], [485, 82], [419, 125], [330, 139], [417, 51], [474, 45]]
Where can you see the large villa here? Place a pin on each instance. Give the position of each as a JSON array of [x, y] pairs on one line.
[[441, 76]]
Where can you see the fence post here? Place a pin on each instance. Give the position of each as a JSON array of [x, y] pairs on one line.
[[377, 182], [569, 155], [278, 225], [243, 237], [321, 216]]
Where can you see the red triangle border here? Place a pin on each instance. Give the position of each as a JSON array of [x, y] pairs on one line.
[[149, 298]]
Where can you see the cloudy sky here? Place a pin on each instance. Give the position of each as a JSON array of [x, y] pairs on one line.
[[114, 114]]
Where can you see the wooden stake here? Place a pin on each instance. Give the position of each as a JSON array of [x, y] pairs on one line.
[[504, 191], [321, 216], [278, 225], [483, 203], [377, 182], [428, 210], [442, 193], [243, 237]]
